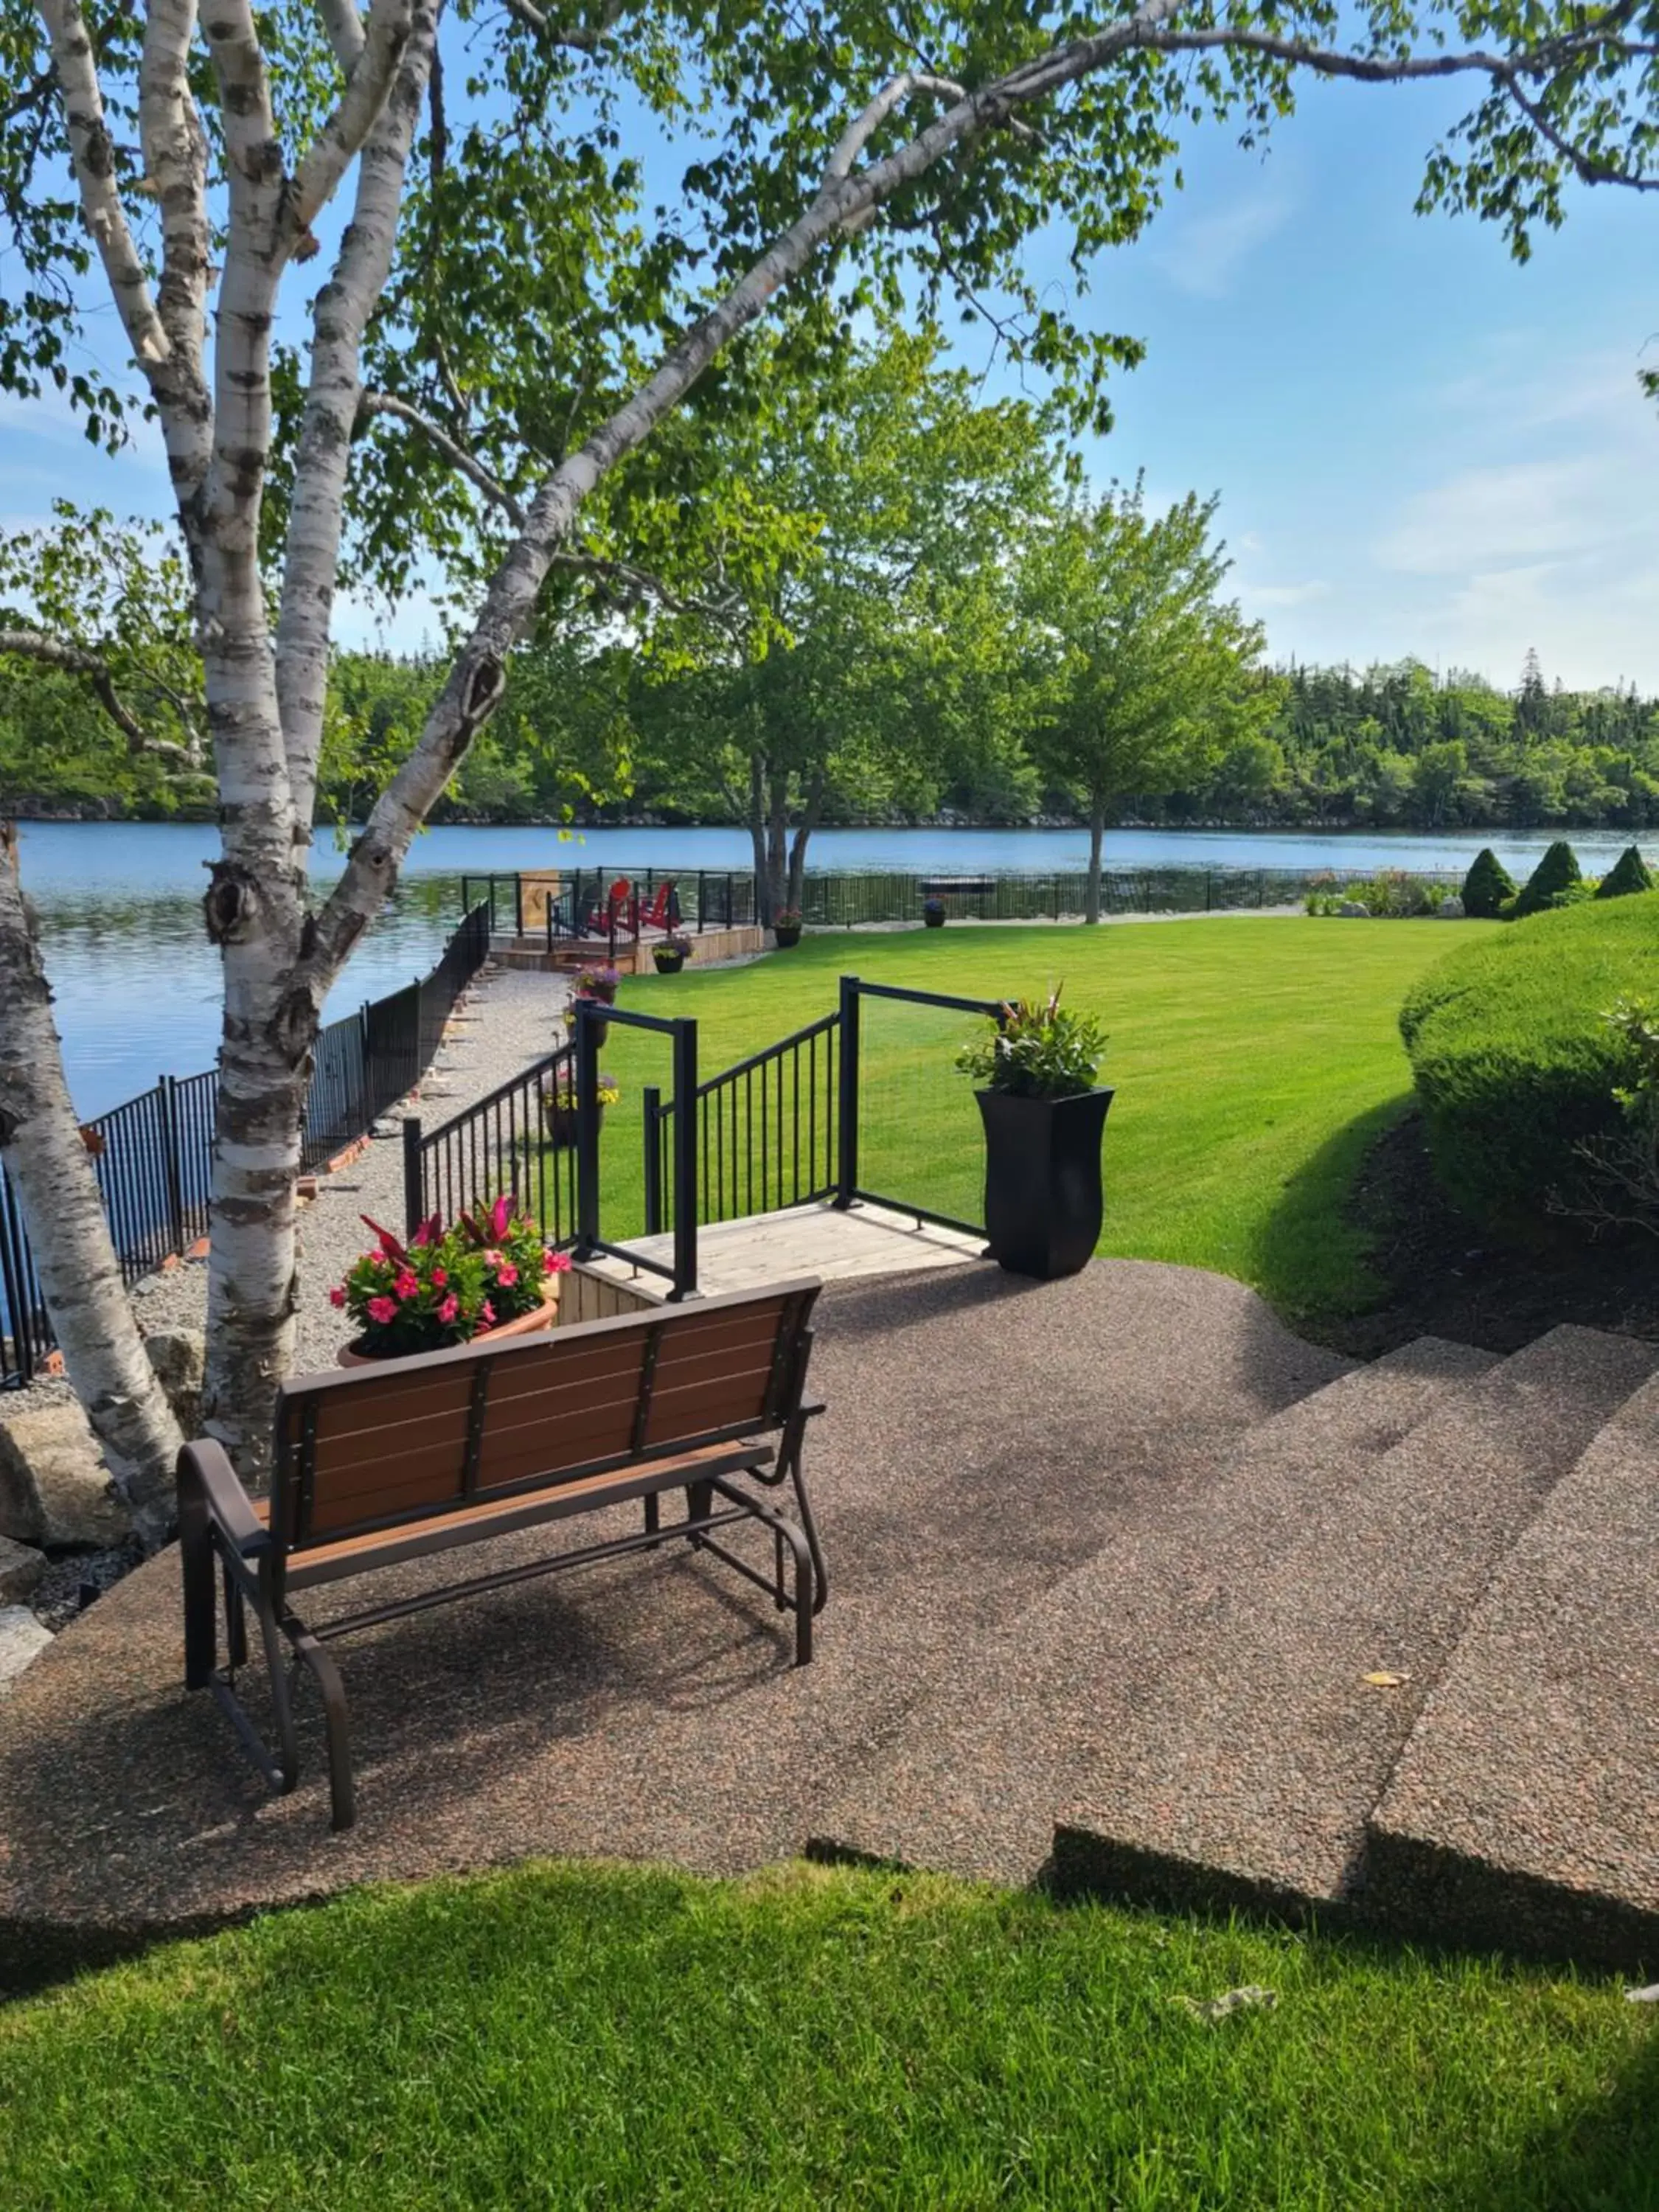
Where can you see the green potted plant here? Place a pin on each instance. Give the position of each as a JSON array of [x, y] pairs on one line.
[[933, 913], [1045, 1117], [671, 954], [560, 1108], [786, 927], [488, 1275]]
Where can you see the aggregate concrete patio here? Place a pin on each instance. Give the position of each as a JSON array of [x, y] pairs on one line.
[[983, 1435], [1128, 1586]]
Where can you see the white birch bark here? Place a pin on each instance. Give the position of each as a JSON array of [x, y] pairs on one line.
[[45, 1156], [316, 511]]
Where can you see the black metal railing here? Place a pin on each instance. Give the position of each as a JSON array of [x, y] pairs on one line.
[[537, 1139], [767, 1131], [520, 1138], [152, 1156], [713, 898], [913, 1165]]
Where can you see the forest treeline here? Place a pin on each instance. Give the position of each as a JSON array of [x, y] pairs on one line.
[[1394, 747]]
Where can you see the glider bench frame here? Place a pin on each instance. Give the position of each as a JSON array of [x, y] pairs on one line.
[[399, 1459]]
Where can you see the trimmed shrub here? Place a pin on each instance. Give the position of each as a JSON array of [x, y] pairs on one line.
[[1629, 873], [1486, 885], [1557, 871], [1515, 1063]]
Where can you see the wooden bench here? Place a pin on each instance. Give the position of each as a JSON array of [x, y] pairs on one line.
[[381, 1464]]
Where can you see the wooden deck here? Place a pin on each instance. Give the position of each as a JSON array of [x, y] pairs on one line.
[[803, 1240]]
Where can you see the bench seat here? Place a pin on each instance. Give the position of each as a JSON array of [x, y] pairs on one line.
[[377, 1466]]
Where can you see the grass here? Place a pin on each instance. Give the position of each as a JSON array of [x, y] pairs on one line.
[[1254, 1061], [1516, 1062], [576, 2036]]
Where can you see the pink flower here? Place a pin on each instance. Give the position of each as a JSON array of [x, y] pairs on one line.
[[555, 1263], [406, 1286], [506, 1275], [492, 1258], [487, 1314], [500, 1214], [382, 1310], [440, 1277], [337, 1296], [450, 1307]]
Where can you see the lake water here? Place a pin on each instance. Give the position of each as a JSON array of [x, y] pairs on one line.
[[138, 983]]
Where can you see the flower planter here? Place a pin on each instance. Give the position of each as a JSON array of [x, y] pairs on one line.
[[669, 963], [932, 917], [600, 1028], [785, 933], [561, 1123], [1043, 1180], [530, 1324]]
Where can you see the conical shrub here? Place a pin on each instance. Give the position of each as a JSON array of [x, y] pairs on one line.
[[1558, 870], [1629, 872], [1486, 885]]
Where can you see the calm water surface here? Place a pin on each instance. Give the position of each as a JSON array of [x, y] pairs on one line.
[[138, 983]]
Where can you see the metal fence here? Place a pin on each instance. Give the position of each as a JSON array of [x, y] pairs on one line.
[[152, 1156], [768, 1132], [714, 898]]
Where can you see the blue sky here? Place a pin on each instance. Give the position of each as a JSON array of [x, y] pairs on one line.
[[1420, 447]]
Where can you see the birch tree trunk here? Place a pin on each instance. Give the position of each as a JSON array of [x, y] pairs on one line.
[[43, 1152], [1096, 837]]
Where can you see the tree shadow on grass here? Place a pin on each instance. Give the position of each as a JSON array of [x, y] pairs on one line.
[[1314, 1257]]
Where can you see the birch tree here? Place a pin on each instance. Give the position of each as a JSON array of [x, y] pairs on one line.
[[506, 325]]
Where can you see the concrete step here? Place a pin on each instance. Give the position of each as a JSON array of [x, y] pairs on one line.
[[1248, 1775], [1524, 1809], [972, 1779]]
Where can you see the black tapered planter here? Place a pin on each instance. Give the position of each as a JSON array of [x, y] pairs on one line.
[[1043, 1188]]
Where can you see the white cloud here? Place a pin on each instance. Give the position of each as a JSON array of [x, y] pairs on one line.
[[1505, 517], [1206, 256], [1268, 596]]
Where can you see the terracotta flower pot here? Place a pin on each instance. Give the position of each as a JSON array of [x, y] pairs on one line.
[[528, 1324]]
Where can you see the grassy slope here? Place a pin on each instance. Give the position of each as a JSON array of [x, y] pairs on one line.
[[596, 2037], [1254, 1060]]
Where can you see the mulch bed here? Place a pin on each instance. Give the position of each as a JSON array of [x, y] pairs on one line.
[[1449, 1276]]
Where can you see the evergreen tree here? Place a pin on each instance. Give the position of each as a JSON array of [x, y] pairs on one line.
[[1557, 871], [1629, 872], [1486, 885]]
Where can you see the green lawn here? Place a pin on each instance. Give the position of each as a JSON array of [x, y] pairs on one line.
[[591, 2037], [1254, 1060]]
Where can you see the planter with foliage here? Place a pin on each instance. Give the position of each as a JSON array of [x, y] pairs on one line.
[[488, 1275], [671, 954], [597, 986], [1044, 1119], [785, 929], [560, 1108], [933, 913]]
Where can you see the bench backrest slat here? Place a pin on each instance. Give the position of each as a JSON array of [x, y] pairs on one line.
[[411, 1438]]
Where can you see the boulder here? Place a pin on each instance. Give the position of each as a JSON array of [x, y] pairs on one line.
[[21, 1569], [54, 1488], [1352, 910], [179, 1359], [21, 1638], [1451, 909]]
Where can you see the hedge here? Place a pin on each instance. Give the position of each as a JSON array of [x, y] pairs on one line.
[[1629, 872], [1486, 885], [1513, 1063]]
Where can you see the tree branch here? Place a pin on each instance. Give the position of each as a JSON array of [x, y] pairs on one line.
[[175, 165], [457, 455], [76, 661], [337, 143], [578, 39], [311, 568], [344, 26]]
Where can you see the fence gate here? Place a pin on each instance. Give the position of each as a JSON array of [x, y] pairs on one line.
[[911, 1137]]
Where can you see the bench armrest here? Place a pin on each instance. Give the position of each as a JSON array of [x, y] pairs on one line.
[[205, 1466]]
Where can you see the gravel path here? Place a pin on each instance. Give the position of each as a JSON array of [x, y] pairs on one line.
[[508, 1018]]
